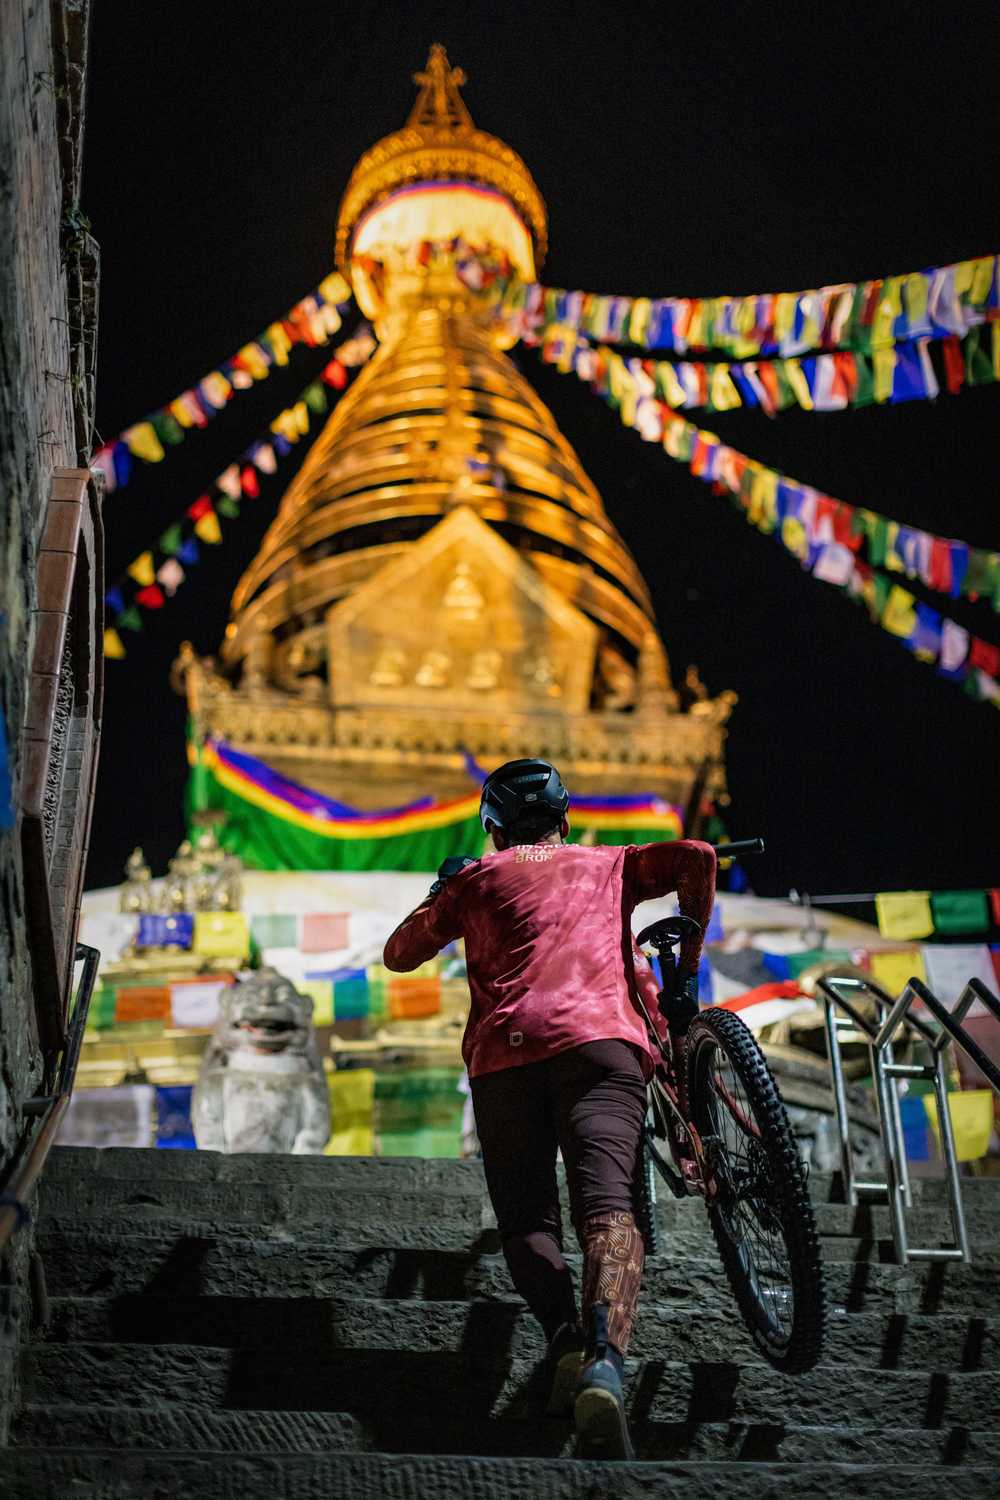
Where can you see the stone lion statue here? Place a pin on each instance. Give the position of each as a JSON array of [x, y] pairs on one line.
[[261, 1086]]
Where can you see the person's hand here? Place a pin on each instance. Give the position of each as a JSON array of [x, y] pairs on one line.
[[684, 1000], [449, 867]]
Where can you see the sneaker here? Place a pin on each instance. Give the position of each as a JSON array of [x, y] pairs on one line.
[[565, 1356], [599, 1408]]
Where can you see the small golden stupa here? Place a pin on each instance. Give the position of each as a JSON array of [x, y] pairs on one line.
[[441, 575]]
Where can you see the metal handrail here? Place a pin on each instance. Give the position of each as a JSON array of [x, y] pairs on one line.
[[50, 1108], [894, 1014]]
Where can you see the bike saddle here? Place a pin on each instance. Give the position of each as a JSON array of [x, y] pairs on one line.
[[668, 932]]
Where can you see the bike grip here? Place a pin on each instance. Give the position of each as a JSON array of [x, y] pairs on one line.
[[744, 846]]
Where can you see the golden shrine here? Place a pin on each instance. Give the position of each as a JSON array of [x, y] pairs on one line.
[[441, 576]]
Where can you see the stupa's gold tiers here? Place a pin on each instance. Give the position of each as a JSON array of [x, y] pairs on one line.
[[441, 576], [439, 418]]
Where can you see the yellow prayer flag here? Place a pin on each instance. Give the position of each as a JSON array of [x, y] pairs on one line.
[[143, 442], [799, 384], [280, 343], [889, 308], [642, 311], [794, 536], [722, 391], [181, 412], [904, 914], [982, 279], [352, 1112], [883, 366], [221, 934], [320, 992], [673, 391], [899, 617], [142, 569], [893, 561], [971, 1113], [300, 412], [334, 288], [785, 304], [916, 290], [963, 275], [253, 358], [208, 529], [113, 646], [894, 970]]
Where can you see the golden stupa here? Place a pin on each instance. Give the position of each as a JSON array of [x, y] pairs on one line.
[[441, 576]]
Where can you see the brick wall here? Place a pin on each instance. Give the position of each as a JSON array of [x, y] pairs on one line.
[[42, 422]]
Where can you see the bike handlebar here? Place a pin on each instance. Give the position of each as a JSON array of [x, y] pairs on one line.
[[744, 846]]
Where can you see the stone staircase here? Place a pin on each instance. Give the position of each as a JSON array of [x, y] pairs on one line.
[[315, 1327]]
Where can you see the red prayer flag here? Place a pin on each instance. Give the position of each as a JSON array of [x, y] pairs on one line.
[[954, 364], [994, 896], [249, 482], [984, 656], [200, 507], [151, 597], [940, 568], [335, 374]]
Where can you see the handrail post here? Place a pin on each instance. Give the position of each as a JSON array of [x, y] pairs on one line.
[[888, 1106], [840, 1100], [950, 1156]]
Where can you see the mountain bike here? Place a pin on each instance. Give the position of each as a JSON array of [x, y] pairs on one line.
[[715, 1109]]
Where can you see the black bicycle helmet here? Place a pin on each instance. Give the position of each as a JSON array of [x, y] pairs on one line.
[[528, 794]]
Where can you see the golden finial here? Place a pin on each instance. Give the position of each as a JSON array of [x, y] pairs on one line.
[[439, 101]]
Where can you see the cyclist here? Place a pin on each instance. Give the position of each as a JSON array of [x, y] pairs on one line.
[[559, 1059]]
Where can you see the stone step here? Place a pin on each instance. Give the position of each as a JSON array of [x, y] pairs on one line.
[[321, 1325], [275, 1207], [372, 1174], [188, 1428], [191, 1428], [386, 1388], [359, 1231], [109, 1474], [110, 1263]]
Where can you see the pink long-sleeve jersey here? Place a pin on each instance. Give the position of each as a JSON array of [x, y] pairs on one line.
[[548, 942]]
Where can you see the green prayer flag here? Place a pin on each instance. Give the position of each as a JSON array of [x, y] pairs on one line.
[[167, 428], [878, 537], [865, 393], [978, 365], [786, 395], [129, 619], [959, 911], [227, 506], [171, 539], [859, 337], [275, 930], [315, 397]]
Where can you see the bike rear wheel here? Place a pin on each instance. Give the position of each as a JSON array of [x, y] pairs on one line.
[[762, 1217]]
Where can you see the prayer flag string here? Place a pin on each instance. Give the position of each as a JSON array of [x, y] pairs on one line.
[[863, 316], [312, 321], [155, 575], [824, 534]]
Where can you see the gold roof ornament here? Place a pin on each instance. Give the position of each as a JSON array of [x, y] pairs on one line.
[[439, 143]]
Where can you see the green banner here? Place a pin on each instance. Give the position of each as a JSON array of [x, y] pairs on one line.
[[264, 841]]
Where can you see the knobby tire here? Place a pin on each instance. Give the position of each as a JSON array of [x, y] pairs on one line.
[[786, 1197]]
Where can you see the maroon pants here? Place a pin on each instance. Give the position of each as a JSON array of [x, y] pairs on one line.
[[590, 1103]]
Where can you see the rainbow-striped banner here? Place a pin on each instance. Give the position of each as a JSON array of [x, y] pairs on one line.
[[274, 823]]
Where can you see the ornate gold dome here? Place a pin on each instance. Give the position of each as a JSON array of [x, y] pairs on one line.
[[439, 143]]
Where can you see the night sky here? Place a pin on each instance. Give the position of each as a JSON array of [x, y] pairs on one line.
[[681, 150]]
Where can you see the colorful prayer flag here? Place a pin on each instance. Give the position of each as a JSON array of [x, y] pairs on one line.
[[904, 914]]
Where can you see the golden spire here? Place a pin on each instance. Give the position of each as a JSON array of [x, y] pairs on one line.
[[439, 102], [440, 143]]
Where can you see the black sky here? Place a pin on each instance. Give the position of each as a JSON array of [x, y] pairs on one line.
[[681, 150]]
